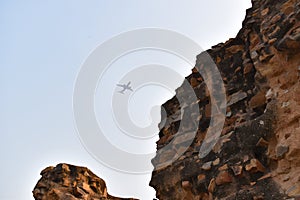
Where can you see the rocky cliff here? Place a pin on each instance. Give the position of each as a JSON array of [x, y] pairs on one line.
[[258, 153], [68, 182]]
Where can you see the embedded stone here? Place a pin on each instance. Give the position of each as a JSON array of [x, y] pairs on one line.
[[265, 11], [255, 166], [212, 185], [269, 175], [237, 170], [294, 191], [201, 177], [224, 167], [281, 151], [248, 68], [194, 82], [258, 100], [207, 165], [216, 162], [262, 143], [236, 97], [223, 178], [185, 184]]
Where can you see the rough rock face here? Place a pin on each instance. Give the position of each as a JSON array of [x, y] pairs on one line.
[[68, 182], [258, 153]]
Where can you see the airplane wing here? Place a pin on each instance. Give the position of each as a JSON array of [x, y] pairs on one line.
[[128, 83], [120, 85], [122, 91]]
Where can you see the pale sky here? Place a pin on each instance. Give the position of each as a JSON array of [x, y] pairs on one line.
[[43, 45]]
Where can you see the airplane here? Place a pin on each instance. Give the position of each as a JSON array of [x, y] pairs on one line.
[[125, 87]]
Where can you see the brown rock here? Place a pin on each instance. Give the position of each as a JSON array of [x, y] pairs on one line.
[[255, 166], [216, 162], [260, 71], [253, 183], [284, 166], [258, 100], [186, 184], [265, 57], [288, 10], [237, 70], [195, 71], [265, 11], [237, 170], [223, 178], [218, 60], [281, 151], [208, 111], [234, 49], [211, 186], [194, 82], [207, 166], [224, 167], [236, 97], [254, 54], [269, 175], [201, 177], [276, 18], [272, 41], [248, 68], [69, 182], [245, 158], [261, 197], [262, 143], [218, 146], [294, 191]]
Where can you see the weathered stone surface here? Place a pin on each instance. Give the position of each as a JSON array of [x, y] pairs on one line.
[[69, 182], [258, 152]]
